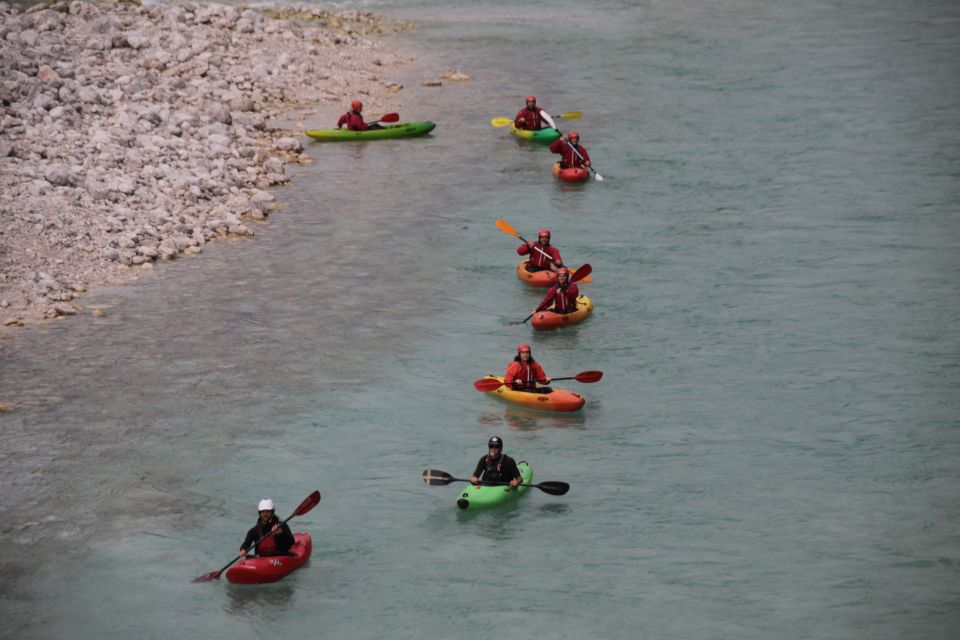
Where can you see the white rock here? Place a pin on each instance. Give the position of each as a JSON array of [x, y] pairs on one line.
[[58, 175], [289, 144]]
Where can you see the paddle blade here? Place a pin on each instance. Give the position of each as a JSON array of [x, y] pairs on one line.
[[501, 122], [207, 577], [597, 176], [390, 117], [588, 376], [587, 279], [581, 273], [436, 478], [570, 115], [553, 487], [504, 226], [487, 384], [311, 501]]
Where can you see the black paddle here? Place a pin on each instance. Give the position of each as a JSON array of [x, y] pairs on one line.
[[436, 478], [305, 506]]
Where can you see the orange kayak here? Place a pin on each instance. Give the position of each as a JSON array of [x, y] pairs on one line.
[[556, 400], [543, 279], [549, 320]]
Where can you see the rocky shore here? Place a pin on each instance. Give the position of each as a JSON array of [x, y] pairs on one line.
[[131, 135]]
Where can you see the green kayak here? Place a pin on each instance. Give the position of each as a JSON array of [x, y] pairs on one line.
[[535, 135], [490, 495], [402, 130]]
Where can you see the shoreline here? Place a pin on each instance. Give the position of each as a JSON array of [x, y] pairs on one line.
[[132, 135]]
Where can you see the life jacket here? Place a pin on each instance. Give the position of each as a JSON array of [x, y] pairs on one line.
[[491, 472], [268, 545]]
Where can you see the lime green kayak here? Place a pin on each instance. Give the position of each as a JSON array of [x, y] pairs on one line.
[[534, 135], [491, 495], [401, 130]]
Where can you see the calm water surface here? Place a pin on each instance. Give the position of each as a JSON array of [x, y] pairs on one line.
[[774, 451]]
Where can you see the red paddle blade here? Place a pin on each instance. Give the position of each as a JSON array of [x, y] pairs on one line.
[[207, 577], [581, 273], [588, 376], [391, 117], [311, 501], [487, 384]]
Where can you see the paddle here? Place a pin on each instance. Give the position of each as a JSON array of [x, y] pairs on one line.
[[505, 122], [436, 478], [596, 175], [390, 117], [486, 385], [578, 275], [505, 226], [311, 501]]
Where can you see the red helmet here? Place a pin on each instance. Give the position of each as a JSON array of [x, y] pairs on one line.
[[356, 105], [524, 347], [543, 232], [531, 98], [563, 271], [573, 134]]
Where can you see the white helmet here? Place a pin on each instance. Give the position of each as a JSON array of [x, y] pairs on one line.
[[265, 505]]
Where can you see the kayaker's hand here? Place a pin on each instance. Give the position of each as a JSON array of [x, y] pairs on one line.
[[514, 483], [474, 480], [243, 553], [587, 163], [530, 244], [276, 529], [547, 380], [522, 121]]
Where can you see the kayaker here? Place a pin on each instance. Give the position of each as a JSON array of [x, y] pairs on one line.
[[532, 117], [543, 255], [354, 120], [496, 466], [563, 295], [277, 544], [569, 149], [524, 372]]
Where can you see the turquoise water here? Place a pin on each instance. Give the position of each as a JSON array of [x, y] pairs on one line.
[[773, 450]]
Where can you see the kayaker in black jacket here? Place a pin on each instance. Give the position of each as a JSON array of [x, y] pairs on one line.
[[277, 544], [496, 466]]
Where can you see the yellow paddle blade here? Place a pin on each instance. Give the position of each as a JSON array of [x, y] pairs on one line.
[[504, 226], [501, 122], [570, 115]]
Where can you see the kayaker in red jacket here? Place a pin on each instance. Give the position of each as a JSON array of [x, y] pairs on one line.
[[524, 372], [354, 119], [563, 295], [277, 544], [543, 255], [569, 150], [496, 466], [532, 117]]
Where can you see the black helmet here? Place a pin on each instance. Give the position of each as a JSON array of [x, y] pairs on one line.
[[495, 443]]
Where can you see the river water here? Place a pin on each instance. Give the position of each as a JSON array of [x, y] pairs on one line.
[[773, 452]]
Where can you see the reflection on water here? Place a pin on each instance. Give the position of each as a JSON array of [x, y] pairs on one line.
[[252, 600], [523, 419]]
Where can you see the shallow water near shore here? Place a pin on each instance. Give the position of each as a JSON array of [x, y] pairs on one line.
[[774, 451]]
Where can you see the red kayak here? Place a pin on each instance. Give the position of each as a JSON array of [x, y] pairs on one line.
[[571, 174], [272, 568]]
